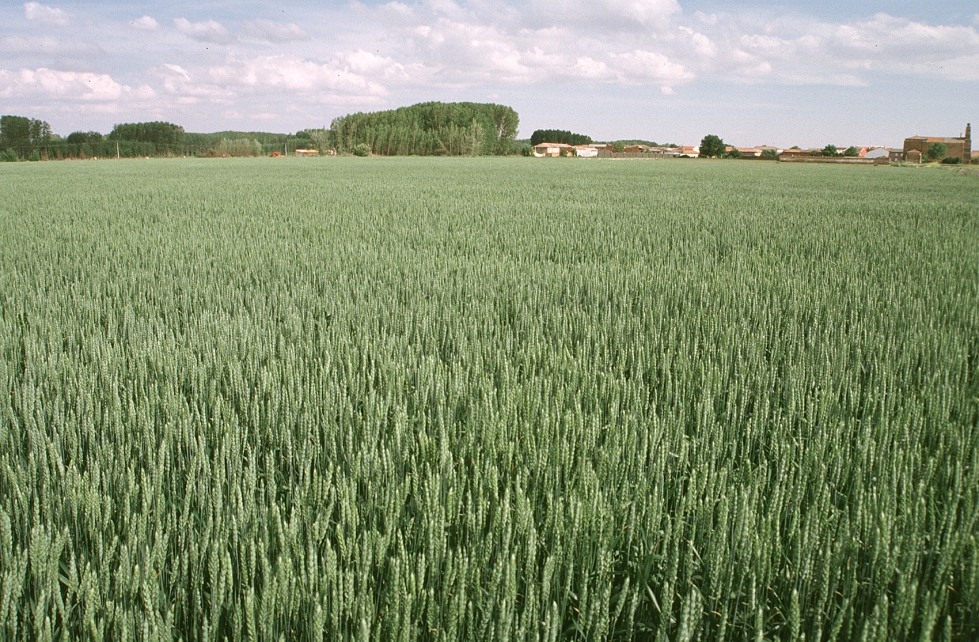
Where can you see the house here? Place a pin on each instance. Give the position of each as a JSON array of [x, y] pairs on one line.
[[690, 150], [768, 148], [749, 151], [912, 156], [636, 149], [960, 147], [552, 149], [895, 155], [586, 151]]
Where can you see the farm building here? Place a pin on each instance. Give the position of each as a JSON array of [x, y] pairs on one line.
[[960, 147], [895, 155], [690, 150], [552, 149], [307, 152], [586, 151]]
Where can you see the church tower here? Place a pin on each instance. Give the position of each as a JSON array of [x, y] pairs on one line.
[[968, 143]]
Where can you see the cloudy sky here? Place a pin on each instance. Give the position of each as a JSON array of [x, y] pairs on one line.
[[806, 73]]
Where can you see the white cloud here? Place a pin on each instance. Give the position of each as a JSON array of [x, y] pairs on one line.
[[627, 15], [207, 31], [276, 31], [707, 19], [47, 15], [352, 77], [647, 66], [848, 54], [146, 23], [82, 86]]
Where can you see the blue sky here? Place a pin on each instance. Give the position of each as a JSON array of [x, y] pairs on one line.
[[803, 73]]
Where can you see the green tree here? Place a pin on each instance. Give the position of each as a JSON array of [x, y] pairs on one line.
[[830, 150], [362, 149], [82, 138], [559, 136], [429, 129], [937, 151], [851, 151], [770, 153], [734, 153], [22, 132], [166, 137], [711, 146]]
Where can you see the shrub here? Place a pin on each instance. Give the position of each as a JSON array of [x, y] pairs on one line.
[[527, 150], [734, 153], [35, 156], [362, 149], [9, 156], [951, 160], [975, 161], [769, 153]]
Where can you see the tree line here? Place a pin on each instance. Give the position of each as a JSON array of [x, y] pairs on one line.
[[558, 136], [429, 129]]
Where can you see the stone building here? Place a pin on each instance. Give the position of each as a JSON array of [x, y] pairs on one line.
[[960, 147]]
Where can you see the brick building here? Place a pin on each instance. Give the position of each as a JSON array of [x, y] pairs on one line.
[[959, 147]]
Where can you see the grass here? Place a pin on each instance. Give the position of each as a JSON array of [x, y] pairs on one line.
[[445, 399]]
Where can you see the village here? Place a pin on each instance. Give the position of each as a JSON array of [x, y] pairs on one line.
[[916, 149]]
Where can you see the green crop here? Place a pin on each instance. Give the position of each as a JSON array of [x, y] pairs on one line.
[[487, 399]]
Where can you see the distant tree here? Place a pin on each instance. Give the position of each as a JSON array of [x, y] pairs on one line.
[[35, 156], [851, 151], [22, 132], [937, 151], [558, 136], [9, 156], [315, 138], [40, 132], [795, 147], [238, 147], [429, 129], [362, 149], [167, 137], [734, 153], [506, 121], [830, 150], [711, 146], [82, 138], [618, 146], [770, 153]]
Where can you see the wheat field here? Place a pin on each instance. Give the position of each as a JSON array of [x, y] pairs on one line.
[[488, 399]]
